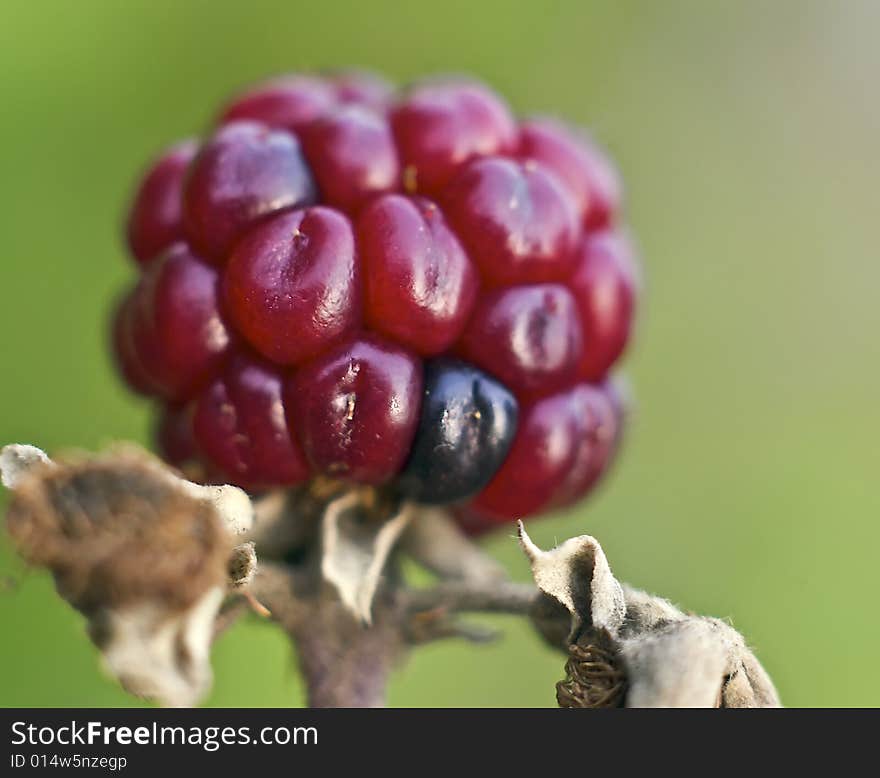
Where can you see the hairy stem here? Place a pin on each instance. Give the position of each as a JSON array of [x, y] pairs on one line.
[[344, 663], [476, 597]]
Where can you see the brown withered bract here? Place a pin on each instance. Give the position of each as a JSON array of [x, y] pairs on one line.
[[116, 529], [628, 648]]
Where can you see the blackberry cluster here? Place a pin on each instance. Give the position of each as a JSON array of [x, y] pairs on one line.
[[410, 290]]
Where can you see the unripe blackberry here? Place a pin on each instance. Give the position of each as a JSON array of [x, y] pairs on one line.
[[292, 284], [352, 155], [239, 425], [156, 218], [440, 126], [242, 174], [410, 291], [589, 176], [516, 220], [527, 336], [175, 323], [420, 286], [356, 408]]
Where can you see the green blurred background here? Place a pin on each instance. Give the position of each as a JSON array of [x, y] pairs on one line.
[[747, 135]]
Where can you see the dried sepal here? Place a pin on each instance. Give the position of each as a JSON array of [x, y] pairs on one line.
[[145, 559], [358, 535], [577, 575], [287, 521], [233, 505], [16, 460], [436, 542], [695, 662], [112, 532], [242, 565], [646, 612], [158, 654], [681, 665], [627, 647], [748, 684]]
